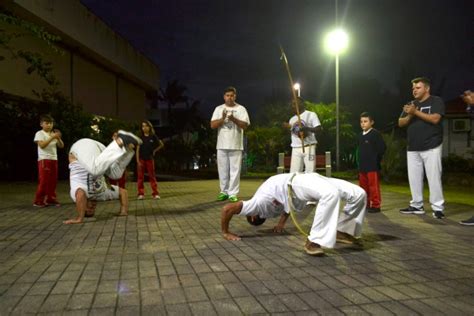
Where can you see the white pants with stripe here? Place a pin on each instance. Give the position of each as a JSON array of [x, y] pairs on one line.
[[300, 159], [229, 163], [327, 220], [99, 160], [429, 161]]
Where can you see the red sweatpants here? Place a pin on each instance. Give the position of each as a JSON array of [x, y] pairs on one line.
[[47, 181], [120, 182], [370, 182], [149, 167]]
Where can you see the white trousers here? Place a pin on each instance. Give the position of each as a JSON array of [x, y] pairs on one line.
[[229, 164], [99, 160], [329, 192], [300, 159], [429, 161]]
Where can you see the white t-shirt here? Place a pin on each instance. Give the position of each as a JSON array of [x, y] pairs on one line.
[[50, 151], [271, 198], [96, 188], [229, 135], [309, 119]]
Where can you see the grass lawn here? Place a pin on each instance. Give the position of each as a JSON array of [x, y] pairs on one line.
[[452, 194]]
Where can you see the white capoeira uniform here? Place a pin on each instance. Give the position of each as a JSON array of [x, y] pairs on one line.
[[229, 147], [272, 198], [298, 158], [94, 160]]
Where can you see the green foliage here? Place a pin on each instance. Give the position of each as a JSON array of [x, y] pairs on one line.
[[35, 62], [273, 114], [394, 159], [455, 163], [264, 144], [327, 137]]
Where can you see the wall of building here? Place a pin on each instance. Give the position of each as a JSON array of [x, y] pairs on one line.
[[13, 76], [457, 142], [83, 30], [98, 69]]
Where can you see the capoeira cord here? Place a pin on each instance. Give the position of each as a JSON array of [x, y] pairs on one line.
[[291, 207]]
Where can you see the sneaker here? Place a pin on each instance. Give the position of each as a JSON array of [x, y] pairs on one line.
[[468, 222], [140, 197], [313, 249], [222, 197], [373, 209], [129, 138], [156, 197], [438, 214], [413, 210], [233, 198], [345, 238], [39, 205]]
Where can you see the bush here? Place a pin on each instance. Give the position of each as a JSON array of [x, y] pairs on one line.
[[394, 159], [455, 163]]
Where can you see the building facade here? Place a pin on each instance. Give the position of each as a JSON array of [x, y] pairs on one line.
[[98, 68]]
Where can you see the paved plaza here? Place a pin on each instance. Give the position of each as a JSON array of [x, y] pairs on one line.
[[168, 257]]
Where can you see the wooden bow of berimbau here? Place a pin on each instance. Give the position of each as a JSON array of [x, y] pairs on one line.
[[293, 93]]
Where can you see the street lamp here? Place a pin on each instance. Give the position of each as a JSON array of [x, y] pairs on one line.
[[297, 87], [336, 42]]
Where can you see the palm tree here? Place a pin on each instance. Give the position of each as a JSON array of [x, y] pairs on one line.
[[172, 95]]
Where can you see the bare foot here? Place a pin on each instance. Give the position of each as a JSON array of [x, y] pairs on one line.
[[230, 236], [122, 213], [73, 221]]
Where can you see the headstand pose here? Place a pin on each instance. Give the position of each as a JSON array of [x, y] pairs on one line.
[[89, 161], [277, 194]]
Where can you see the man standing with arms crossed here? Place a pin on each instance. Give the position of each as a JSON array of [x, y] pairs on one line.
[[230, 119], [423, 118]]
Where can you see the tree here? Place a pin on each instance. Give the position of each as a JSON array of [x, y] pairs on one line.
[[327, 137], [172, 95]]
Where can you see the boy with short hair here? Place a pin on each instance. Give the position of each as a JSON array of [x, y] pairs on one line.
[[371, 150], [47, 139]]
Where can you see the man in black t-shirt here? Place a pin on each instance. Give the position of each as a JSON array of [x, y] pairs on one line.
[[423, 118]]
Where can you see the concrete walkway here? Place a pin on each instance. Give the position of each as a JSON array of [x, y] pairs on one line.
[[168, 257]]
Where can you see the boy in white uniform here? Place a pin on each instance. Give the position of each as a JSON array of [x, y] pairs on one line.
[[47, 139], [310, 124], [230, 119], [89, 161], [272, 200]]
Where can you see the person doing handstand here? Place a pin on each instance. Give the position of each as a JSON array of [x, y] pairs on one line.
[[89, 163]]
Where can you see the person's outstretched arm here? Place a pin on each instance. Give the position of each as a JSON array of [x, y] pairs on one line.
[[228, 211], [280, 227], [81, 206], [123, 196]]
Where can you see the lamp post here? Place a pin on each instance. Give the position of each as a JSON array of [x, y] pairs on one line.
[[297, 87], [336, 43]]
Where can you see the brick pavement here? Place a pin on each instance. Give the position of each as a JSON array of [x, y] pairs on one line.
[[168, 257]]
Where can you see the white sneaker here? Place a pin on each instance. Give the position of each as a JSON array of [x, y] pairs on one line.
[[140, 197], [156, 197]]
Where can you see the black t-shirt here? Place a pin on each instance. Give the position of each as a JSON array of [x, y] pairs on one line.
[[421, 134], [371, 150], [150, 143]]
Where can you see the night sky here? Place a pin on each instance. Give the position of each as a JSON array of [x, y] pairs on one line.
[[208, 45]]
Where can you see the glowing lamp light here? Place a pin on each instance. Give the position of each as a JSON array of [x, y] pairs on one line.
[[336, 42]]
